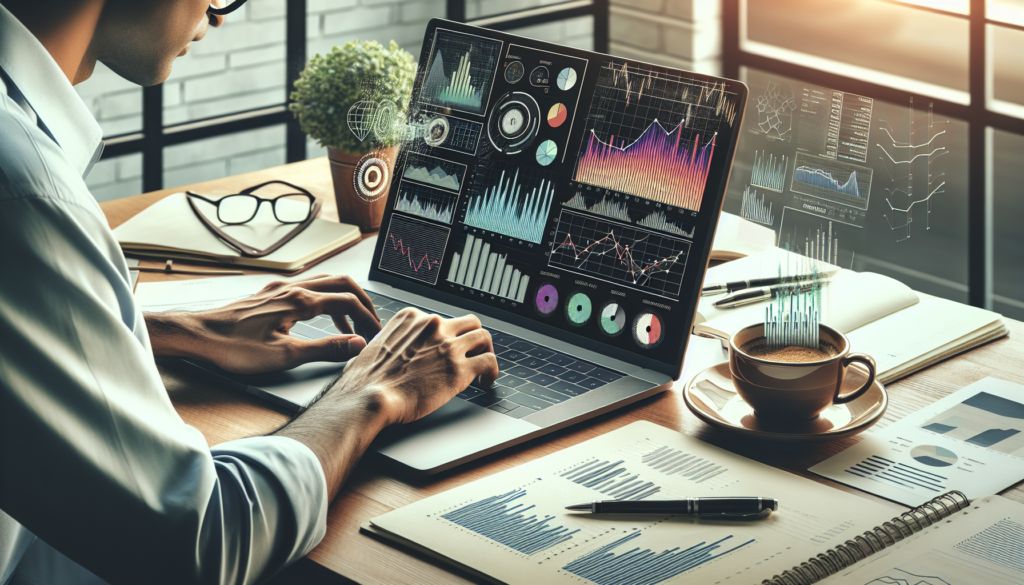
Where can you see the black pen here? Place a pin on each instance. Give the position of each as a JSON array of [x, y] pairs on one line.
[[756, 295], [729, 287], [706, 508]]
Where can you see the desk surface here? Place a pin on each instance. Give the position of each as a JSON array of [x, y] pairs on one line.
[[376, 488]]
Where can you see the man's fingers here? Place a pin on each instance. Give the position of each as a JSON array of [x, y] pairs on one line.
[[460, 325], [484, 366], [338, 305], [339, 284], [476, 342], [336, 348]]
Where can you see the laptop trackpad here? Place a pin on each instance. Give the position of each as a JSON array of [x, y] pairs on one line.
[[451, 433]]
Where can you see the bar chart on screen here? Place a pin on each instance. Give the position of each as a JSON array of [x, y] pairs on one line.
[[514, 203], [482, 267]]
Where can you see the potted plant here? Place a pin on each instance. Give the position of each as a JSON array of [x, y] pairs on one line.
[[354, 101]]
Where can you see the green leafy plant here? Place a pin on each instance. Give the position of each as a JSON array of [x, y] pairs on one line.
[[374, 78]]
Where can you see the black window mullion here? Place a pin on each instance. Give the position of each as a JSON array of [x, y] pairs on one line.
[[295, 36], [979, 261]]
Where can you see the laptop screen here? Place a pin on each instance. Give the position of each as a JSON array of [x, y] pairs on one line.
[[569, 192]]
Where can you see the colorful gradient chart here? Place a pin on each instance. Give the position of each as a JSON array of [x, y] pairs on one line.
[[656, 166], [613, 319], [414, 249], [557, 115], [652, 133], [619, 253], [648, 330], [510, 208], [578, 309], [546, 299]]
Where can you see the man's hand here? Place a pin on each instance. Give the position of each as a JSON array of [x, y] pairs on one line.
[[251, 336], [417, 364]]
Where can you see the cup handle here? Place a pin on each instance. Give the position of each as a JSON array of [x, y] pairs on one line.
[[867, 361]]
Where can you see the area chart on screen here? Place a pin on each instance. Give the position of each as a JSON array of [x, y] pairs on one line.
[[480, 268], [460, 71], [513, 207], [414, 248], [422, 201], [619, 253]]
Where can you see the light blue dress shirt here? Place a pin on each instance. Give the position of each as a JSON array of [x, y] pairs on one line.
[[94, 461]]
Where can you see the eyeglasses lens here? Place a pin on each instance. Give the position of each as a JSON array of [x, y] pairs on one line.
[[237, 208], [292, 208]]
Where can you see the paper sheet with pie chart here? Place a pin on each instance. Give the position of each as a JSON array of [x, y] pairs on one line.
[[971, 440]]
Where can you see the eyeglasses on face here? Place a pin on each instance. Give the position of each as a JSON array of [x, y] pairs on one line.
[[226, 7], [242, 207]]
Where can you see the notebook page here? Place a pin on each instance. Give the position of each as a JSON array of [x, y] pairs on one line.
[[514, 527]]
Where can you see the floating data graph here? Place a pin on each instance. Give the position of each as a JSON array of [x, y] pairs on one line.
[[831, 180], [414, 249], [435, 172], [637, 565], [769, 173], [606, 206], [775, 113], [612, 479], [658, 165], [460, 71], [658, 221], [792, 320], [508, 522], [674, 462], [1002, 543], [479, 268], [619, 253], [754, 208], [509, 208], [425, 202], [819, 241]]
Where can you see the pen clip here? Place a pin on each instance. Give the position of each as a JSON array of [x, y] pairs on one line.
[[731, 516]]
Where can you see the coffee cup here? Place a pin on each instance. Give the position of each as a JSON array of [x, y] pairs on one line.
[[794, 389]]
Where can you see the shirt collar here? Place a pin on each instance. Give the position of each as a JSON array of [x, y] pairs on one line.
[[42, 83]]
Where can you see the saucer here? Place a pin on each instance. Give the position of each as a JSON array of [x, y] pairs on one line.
[[711, 395]]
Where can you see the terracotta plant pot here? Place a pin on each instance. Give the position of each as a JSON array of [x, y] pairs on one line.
[[361, 185]]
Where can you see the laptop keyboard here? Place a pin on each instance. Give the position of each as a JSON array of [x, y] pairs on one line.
[[532, 377]]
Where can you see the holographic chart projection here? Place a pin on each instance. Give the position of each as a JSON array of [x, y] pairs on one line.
[[652, 134], [425, 202], [414, 249], [810, 236], [512, 204], [754, 209], [619, 253], [460, 71], [480, 267], [769, 173], [775, 109], [901, 158], [834, 181]]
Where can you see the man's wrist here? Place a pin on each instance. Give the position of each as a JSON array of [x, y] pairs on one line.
[[175, 334]]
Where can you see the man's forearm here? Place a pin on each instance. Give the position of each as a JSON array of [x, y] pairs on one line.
[[175, 334]]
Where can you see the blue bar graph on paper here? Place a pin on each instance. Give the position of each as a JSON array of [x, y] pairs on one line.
[[512, 525], [645, 567], [611, 478], [506, 209]]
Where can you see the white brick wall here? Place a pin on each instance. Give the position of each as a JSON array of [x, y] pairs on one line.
[[676, 33], [241, 66]]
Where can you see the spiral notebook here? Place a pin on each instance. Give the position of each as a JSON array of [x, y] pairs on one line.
[[512, 527]]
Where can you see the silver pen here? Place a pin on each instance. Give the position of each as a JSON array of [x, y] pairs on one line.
[[756, 295]]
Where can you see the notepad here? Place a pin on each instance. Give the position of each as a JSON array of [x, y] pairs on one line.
[[170, 229], [512, 527]]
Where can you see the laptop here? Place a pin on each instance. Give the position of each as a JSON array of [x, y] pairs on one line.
[[567, 198]]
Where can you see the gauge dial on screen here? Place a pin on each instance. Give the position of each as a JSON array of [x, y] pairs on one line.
[[540, 76], [514, 72], [647, 330]]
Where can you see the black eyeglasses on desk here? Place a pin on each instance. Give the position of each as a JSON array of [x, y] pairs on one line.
[[227, 7], [290, 208]]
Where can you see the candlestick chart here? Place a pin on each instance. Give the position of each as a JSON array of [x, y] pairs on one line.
[[460, 71], [619, 253], [653, 134], [414, 249]]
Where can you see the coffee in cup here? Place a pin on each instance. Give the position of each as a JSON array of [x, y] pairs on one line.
[[794, 382]]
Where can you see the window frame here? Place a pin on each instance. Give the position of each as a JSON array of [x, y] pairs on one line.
[[977, 113]]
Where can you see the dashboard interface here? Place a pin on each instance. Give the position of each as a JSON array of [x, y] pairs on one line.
[[569, 192]]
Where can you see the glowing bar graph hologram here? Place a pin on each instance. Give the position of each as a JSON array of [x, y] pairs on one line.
[[754, 208], [503, 208], [637, 565], [659, 221], [792, 320], [658, 166], [603, 207], [611, 478], [769, 174], [498, 519], [479, 268]]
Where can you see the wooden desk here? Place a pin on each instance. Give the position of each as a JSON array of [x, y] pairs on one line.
[[376, 488]]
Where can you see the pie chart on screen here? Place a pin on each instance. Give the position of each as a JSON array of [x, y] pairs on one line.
[[566, 79], [557, 115], [546, 153], [546, 300], [647, 330]]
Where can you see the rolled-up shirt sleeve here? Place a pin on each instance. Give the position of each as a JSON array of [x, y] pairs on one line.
[[93, 457]]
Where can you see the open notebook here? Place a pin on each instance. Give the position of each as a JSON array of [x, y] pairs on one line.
[[170, 229], [512, 527], [903, 330]]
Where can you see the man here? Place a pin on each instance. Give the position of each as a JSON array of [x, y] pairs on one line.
[[100, 480]]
